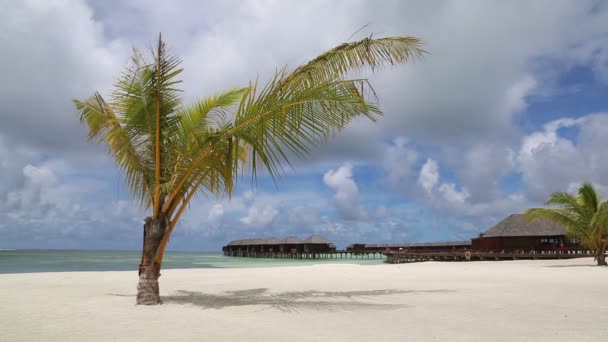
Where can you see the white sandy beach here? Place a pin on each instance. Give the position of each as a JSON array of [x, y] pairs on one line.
[[561, 300]]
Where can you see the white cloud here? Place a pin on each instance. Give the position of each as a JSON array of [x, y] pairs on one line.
[[454, 202], [259, 218], [46, 209], [458, 92], [346, 200], [382, 212], [216, 212], [482, 168], [429, 176], [303, 216], [515, 95], [399, 161], [38, 195], [464, 93], [452, 195], [549, 162], [53, 51], [248, 197]]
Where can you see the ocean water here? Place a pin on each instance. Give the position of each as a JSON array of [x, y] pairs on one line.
[[30, 261]]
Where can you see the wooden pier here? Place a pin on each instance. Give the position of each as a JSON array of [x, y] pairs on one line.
[[341, 254], [409, 256], [315, 247]]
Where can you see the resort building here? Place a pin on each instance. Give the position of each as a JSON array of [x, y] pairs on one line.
[[421, 246], [291, 246], [515, 233], [512, 238]]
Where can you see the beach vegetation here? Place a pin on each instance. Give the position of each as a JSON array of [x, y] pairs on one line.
[[584, 216]]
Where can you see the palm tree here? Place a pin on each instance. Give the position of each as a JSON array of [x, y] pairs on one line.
[[169, 151], [585, 218]]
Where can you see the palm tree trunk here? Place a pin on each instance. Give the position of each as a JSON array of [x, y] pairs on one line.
[[601, 255], [601, 259], [149, 270]]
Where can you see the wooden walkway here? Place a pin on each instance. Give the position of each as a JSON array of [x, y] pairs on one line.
[[304, 255], [404, 257], [416, 256]]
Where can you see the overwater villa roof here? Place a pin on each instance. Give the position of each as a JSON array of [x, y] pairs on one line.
[[417, 244], [291, 240], [439, 244], [314, 239], [272, 241], [517, 225]]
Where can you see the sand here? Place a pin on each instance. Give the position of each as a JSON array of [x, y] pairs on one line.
[[560, 300]]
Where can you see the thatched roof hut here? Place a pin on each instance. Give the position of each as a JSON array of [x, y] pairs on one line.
[[518, 225], [516, 233], [315, 239], [291, 240]]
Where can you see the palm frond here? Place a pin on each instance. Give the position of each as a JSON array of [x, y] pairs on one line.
[[566, 201], [213, 175], [146, 98], [589, 197], [341, 60], [210, 112], [583, 216], [599, 223], [277, 121], [559, 216], [105, 127]]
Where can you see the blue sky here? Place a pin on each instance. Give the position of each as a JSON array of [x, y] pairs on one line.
[[510, 106]]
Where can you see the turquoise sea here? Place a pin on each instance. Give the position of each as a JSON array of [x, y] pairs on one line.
[[28, 261]]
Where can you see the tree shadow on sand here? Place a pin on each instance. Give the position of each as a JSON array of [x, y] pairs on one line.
[[571, 265], [293, 302]]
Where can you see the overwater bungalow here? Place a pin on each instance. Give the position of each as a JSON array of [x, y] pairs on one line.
[[274, 247]]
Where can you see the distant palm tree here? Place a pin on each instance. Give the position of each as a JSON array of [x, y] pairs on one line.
[[585, 218], [169, 151]]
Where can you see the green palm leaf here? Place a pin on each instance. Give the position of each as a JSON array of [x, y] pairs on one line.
[[584, 217]]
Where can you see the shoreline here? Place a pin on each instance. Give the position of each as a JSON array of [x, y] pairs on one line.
[[17, 262], [457, 301]]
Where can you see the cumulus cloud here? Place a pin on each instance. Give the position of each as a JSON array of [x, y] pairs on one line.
[[550, 162], [456, 201], [483, 167], [460, 91], [546, 160], [216, 213], [303, 216], [259, 218], [382, 211], [346, 200], [36, 197], [463, 92], [429, 176], [452, 195], [53, 51], [399, 161], [48, 212]]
